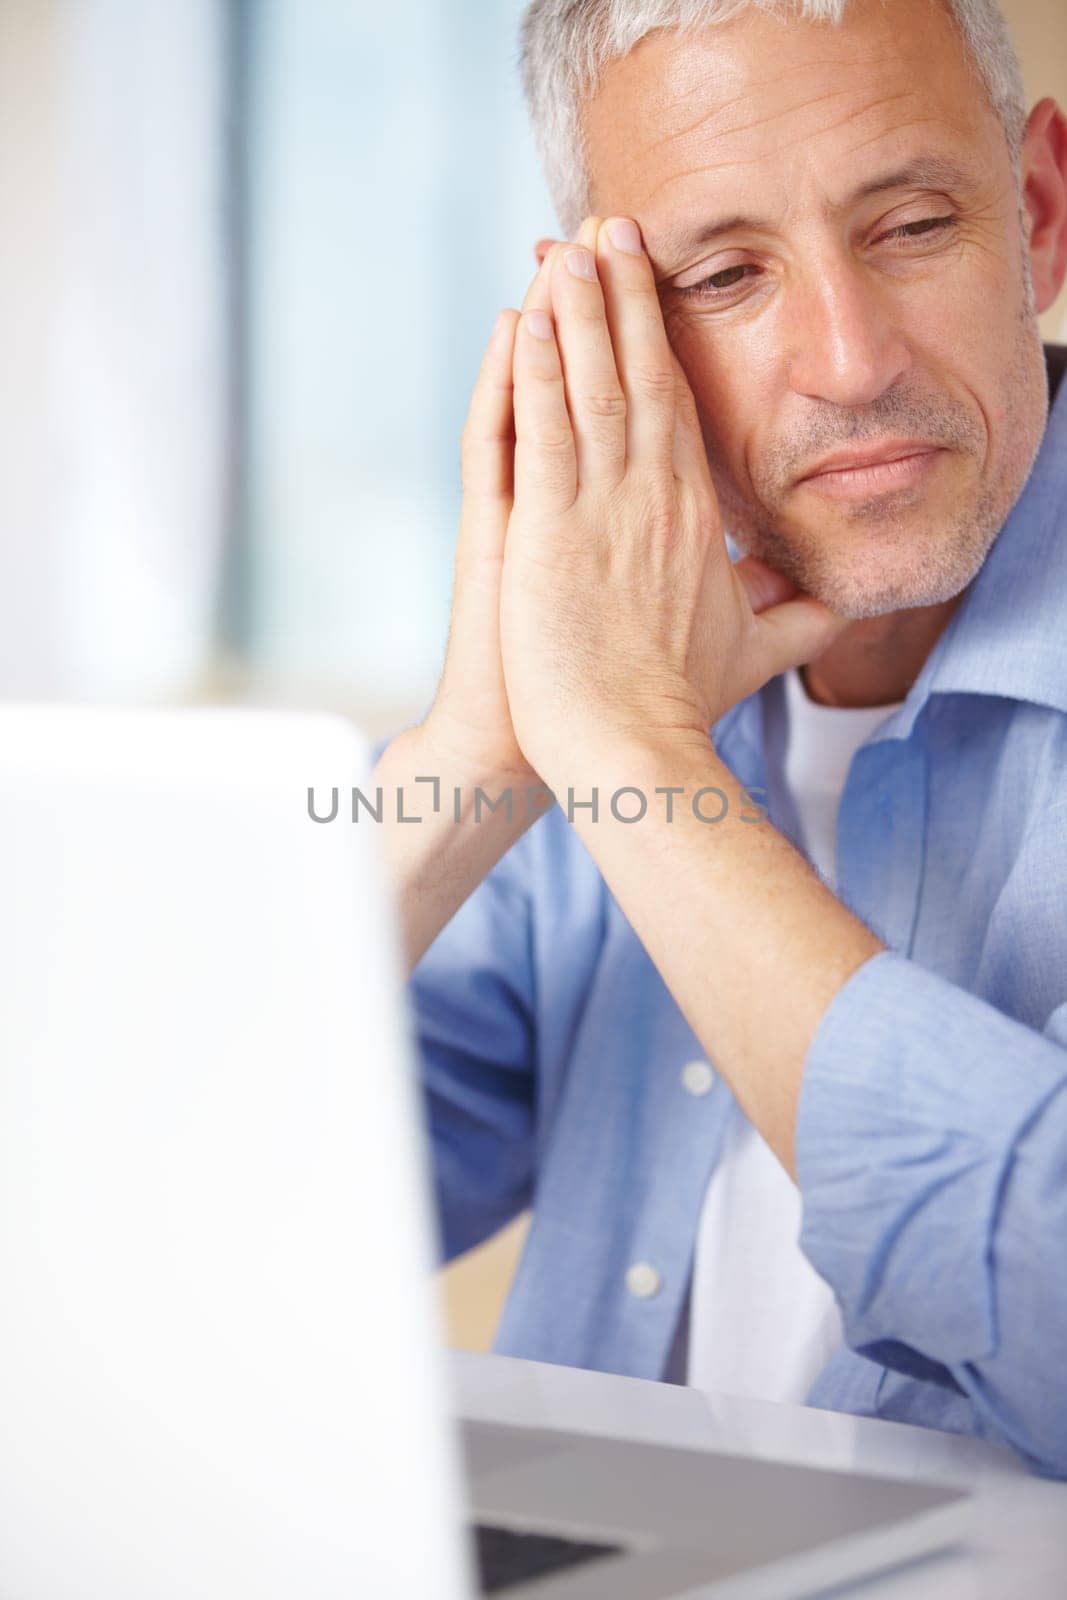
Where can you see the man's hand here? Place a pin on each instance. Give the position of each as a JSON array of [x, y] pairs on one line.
[[622, 616], [470, 721]]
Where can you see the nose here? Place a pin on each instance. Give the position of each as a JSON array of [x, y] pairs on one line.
[[847, 348]]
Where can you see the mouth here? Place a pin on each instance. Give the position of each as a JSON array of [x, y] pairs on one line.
[[874, 470]]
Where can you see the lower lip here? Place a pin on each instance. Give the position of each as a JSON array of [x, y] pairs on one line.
[[851, 483]]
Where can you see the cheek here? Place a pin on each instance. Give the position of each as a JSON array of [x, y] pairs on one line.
[[725, 387]]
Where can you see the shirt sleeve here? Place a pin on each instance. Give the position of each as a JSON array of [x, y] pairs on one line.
[[471, 998], [931, 1154]]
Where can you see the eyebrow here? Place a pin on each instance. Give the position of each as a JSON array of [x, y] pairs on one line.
[[921, 172]]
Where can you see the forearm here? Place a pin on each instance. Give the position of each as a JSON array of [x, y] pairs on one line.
[[749, 940], [442, 837]]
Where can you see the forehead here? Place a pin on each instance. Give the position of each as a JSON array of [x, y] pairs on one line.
[[764, 106]]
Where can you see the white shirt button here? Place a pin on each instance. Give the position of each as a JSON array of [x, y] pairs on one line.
[[643, 1281], [697, 1077]]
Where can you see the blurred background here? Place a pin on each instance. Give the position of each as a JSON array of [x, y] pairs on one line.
[[252, 252]]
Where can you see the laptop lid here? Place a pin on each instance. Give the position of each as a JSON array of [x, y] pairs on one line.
[[218, 1352]]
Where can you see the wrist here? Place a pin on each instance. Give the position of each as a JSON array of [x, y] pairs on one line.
[[468, 787], [648, 782], [453, 752], [631, 759]]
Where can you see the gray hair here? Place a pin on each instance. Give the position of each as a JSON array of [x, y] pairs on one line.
[[566, 44]]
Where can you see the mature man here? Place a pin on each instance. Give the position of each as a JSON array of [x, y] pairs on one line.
[[801, 318]]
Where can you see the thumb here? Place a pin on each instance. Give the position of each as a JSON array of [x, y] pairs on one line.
[[796, 631], [764, 584]]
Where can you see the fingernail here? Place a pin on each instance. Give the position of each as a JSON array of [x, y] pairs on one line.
[[625, 235], [497, 325], [580, 263], [539, 323]]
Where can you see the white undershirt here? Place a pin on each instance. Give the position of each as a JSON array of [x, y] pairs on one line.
[[762, 1322]]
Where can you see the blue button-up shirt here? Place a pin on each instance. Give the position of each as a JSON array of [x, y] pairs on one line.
[[931, 1141]]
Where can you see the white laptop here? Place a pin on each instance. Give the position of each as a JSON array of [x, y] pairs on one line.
[[220, 1368]]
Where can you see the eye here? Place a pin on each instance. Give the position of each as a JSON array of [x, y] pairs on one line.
[[719, 283], [924, 228]]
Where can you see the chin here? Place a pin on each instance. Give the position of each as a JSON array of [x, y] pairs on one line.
[[886, 570], [930, 572], [884, 594]]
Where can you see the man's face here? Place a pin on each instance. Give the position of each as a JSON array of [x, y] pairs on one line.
[[822, 318]]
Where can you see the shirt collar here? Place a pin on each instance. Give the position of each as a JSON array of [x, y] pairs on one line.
[[1007, 636]]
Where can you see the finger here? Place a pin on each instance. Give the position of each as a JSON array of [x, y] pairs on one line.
[[546, 462], [488, 437], [539, 296], [595, 396], [539, 293], [642, 351]]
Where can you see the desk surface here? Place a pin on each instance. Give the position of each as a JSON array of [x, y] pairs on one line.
[[1022, 1546]]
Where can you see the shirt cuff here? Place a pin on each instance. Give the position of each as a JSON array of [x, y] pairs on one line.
[[915, 1094]]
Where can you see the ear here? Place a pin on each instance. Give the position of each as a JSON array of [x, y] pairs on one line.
[[541, 249], [1044, 178]]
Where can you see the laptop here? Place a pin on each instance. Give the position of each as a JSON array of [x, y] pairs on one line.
[[220, 1351]]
